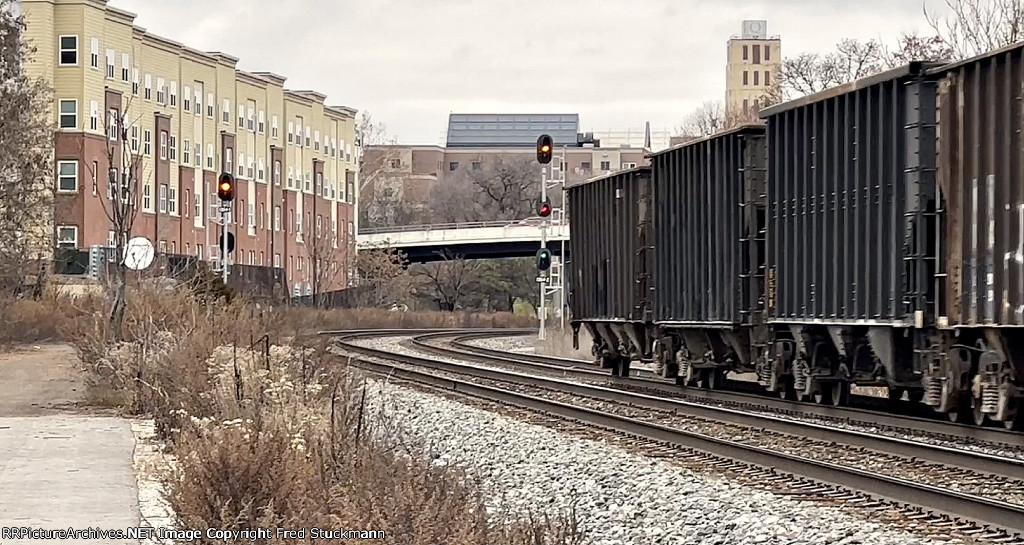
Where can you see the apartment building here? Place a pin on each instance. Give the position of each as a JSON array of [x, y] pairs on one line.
[[190, 115], [753, 62]]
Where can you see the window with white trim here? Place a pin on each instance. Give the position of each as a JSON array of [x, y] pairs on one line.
[[241, 116], [67, 236], [69, 113], [277, 217], [277, 173], [112, 132], [226, 113], [309, 182], [148, 94], [111, 69], [186, 98], [252, 215], [273, 126], [198, 156], [261, 122], [291, 129], [316, 141], [209, 156], [94, 115], [161, 91], [199, 103], [111, 239], [227, 160], [147, 142], [251, 118], [135, 81], [163, 145], [163, 198], [298, 132], [173, 153], [94, 52], [67, 176], [291, 177], [209, 105], [172, 200], [135, 139], [199, 205], [95, 171], [260, 170], [307, 135], [68, 46], [147, 196], [251, 167], [186, 152], [126, 64]]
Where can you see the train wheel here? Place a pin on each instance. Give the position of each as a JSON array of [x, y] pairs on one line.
[[786, 390], [915, 395], [896, 393], [979, 418], [624, 367], [962, 412], [822, 394], [840, 393]]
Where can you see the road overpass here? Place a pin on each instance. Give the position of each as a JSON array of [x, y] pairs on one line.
[[472, 240]]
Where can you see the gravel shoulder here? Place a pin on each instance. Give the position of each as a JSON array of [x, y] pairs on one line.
[[61, 466]]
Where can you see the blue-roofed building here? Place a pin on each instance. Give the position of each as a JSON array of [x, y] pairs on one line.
[[510, 130]]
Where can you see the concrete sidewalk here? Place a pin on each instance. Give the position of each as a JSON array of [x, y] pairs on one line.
[[60, 467]]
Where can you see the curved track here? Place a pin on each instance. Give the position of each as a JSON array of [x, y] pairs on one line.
[[598, 405]]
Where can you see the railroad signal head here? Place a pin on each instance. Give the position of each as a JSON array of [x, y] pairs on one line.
[[543, 259], [226, 187], [544, 148], [545, 208]]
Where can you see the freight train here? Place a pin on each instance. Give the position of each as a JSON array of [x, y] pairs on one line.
[[871, 234]]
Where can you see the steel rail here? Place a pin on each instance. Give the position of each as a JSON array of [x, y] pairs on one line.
[[748, 399], [1004, 516]]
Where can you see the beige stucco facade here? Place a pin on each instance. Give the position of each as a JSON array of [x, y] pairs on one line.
[[752, 67], [189, 116]]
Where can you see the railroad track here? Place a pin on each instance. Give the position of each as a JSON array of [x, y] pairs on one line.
[[992, 499]]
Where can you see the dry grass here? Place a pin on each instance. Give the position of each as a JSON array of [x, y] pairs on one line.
[[279, 438]]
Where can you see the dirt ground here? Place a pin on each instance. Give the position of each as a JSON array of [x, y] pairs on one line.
[[39, 380]]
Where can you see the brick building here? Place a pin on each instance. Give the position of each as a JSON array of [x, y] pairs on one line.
[[190, 115]]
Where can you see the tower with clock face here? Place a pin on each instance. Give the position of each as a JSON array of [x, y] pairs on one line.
[[752, 66]]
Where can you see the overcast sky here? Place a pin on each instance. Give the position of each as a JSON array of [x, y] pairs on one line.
[[618, 63]]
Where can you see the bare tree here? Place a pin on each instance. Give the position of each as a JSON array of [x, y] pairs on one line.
[[383, 278], [26, 148], [447, 281], [809, 73], [973, 27], [380, 180], [321, 247], [912, 47], [120, 201], [711, 117]]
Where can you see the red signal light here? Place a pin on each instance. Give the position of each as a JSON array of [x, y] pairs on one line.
[[545, 209]]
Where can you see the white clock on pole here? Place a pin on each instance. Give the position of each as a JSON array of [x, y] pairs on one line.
[[138, 254]]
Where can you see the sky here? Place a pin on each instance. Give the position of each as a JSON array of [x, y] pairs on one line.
[[617, 63]]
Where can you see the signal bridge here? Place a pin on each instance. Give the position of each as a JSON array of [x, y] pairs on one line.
[[472, 240]]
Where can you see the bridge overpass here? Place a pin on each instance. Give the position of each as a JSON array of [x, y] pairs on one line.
[[474, 240]]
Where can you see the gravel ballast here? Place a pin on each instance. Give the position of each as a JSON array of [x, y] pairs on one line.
[[620, 497]]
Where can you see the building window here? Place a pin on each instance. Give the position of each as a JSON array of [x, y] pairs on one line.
[[396, 163], [291, 129], [148, 94], [767, 78], [67, 176], [227, 160], [95, 184], [745, 53], [162, 246], [745, 81], [198, 155], [453, 165], [111, 69], [199, 206], [309, 183], [94, 53], [163, 145], [209, 105], [606, 165], [161, 91], [69, 50], [199, 252], [135, 81], [316, 141], [126, 62], [240, 220], [241, 164], [757, 54], [147, 197], [226, 114], [147, 139], [172, 200], [250, 119], [135, 139], [277, 173], [94, 114], [277, 261], [585, 165], [746, 105], [68, 113], [112, 131], [186, 98], [67, 236], [249, 170], [241, 116], [273, 126], [767, 52], [173, 153], [163, 198], [174, 94], [209, 156], [185, 202], [199, 103], [277, 218], [757, 77], [262, 122], [252, 215], [260, 168], [186, 153], [307, 136]]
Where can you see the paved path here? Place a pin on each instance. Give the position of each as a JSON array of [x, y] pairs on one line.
[[60, 466]]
